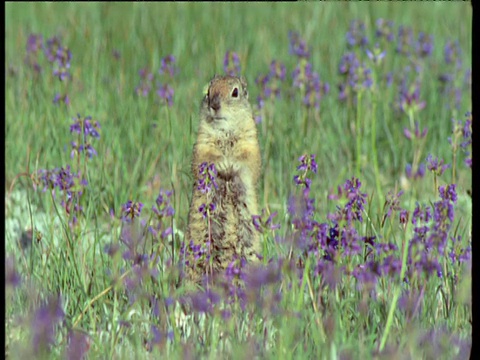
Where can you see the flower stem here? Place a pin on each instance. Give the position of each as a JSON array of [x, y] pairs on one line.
[[358, 133], [374, 150], [396, 294]]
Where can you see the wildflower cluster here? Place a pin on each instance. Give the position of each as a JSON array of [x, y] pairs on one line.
[[298, 47], [436, 166], [166, 74], [249, 287], [336, 248], [462, 138], [392, 203], [431, 230], [195, 253], [356, 35], [454, 80], [357, 76], [71, 186], [270, 86], [384, 30], [263, 223], [415, 174], [44, 322], [231, 64], [60, 57], [307, 164], [207, 174], [34, 48], [416, 134], [138, 251], [312, 89], [408, 46], [305, 80], [131, 210], [190, 251], [146, 81], [57, 54], [85, 128], [162, 210], [408, 99]]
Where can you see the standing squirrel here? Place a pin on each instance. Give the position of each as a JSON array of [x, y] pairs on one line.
[[227, 137]]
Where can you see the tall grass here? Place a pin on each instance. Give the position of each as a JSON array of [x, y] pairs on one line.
[[347, 272]]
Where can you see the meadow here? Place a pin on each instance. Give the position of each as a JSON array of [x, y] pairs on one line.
[[365, 125]]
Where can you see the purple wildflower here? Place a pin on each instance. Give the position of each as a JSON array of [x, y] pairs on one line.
[[263, 275], [356, 34], [12, 277], [51, 48], [418, 135], [231, 63], [207, 174], [61, 98], [199, 253], [308, 80], [277, 70], [357, 76], [34, 45], [352, 211], [166, 92], [62, 63], [421, 214], [146, 79], [162, 209], [314, 91], [462, 131], [392, 203], [85, 126], [419, 173], [298, 46], [262, 224], [453, 54], [207, 210], [168, 65], [45, 320], [131, 210], [411, 302], [307, 164], [436, 166], [202, 301], [405, 40], [408, 98], [384, 29], [458, 253], [78, 345], [424, 45], [270, 84]]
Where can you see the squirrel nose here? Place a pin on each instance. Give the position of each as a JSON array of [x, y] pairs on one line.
[[215, 103]]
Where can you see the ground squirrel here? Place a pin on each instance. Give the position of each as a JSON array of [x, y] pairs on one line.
[[227, 137]]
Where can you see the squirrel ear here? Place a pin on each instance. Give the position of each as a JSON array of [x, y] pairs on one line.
[[205, 89]]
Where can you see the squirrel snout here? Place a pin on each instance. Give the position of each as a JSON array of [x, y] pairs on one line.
[[215, 103]]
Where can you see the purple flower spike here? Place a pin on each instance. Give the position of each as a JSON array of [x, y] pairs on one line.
[[231, 63]]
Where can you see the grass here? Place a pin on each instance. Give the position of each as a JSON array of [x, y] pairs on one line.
[[108, 300]]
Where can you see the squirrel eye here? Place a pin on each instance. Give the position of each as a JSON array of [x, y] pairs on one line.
[[235, 93]]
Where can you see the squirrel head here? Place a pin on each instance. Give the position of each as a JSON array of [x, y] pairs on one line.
[[225, 99]]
